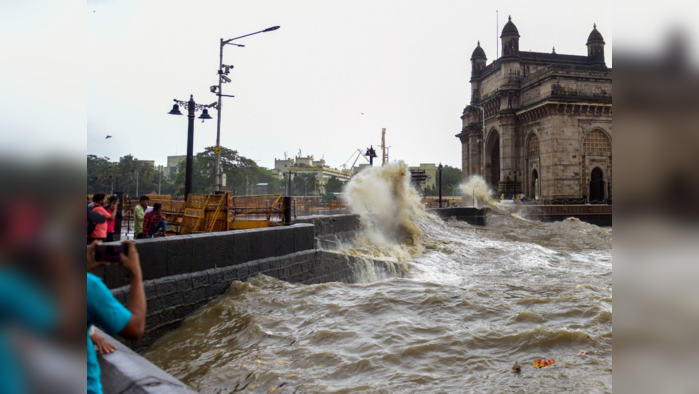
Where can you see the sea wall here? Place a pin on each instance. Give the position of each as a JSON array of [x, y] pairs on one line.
[[334, 230], [185, 254], [473, 216]]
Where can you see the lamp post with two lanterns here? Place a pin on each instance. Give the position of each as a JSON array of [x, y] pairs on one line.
[[192, 107]]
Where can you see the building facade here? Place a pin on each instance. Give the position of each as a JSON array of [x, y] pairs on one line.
[[540, 123], [172, 163], [308, 165]]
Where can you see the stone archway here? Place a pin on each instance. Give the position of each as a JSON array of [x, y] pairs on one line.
[[492, 161], [597, 186]]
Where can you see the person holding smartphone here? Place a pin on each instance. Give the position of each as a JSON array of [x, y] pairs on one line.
[[100, 231], [105, 312], [111, 208]]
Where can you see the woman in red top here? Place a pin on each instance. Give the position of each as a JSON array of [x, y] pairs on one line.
[[111, 208], [100, 232]]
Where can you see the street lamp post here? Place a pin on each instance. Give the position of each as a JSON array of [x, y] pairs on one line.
[[440, 184], [191, 107], [371, 153], [221, 78]]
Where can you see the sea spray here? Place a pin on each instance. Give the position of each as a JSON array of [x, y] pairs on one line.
[[476, 187], [390, 211]]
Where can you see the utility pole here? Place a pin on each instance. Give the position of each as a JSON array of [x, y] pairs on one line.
[[440, 184], [383, 146], [223, 71], [160, 178]]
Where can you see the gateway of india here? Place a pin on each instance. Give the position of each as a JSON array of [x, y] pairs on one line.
[[540, 123]]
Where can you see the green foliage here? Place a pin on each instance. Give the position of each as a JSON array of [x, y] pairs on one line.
[[451, 176], [451, 180], [334, 185], [241, 173], [304, 185]]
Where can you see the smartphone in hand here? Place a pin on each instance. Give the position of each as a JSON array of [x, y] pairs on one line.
[[110, 252]]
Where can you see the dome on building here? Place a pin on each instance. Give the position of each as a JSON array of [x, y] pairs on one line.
[[595, 37], [510, 29], [478, 53]]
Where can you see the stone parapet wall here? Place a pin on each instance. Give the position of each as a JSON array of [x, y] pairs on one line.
[[473, 216], [184, 254], [331, 232]]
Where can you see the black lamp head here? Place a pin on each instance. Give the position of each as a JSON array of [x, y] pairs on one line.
[[205, 114], [270, 29], [175, 110]]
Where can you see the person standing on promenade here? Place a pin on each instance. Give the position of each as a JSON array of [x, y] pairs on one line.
[[111, 208], [100, 229], [138, 216]]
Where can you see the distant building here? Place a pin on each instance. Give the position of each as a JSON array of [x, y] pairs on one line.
[[430, 171], [540, 123], [172, 164], [308, 165], [357, 169]]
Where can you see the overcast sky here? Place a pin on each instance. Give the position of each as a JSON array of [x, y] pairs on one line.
[[325, 83]]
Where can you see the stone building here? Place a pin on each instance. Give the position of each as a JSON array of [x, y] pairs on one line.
[[544, 121], [308, 165]]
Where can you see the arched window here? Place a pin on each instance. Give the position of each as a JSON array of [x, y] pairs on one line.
[[597, 142], [533, 145]]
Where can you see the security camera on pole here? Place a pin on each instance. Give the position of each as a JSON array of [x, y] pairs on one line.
[[223, 71]]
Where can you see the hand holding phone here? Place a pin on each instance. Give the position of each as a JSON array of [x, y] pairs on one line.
[[110, 252]]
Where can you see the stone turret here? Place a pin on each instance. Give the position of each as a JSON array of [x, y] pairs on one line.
[[478, 60], [510, 40], [595, 48]]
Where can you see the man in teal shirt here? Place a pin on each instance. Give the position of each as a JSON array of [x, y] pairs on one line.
[[105, 312]]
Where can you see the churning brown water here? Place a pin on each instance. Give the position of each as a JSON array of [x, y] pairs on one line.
[[472, 302]]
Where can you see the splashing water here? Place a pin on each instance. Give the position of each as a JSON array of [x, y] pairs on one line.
[[478, 188], [485, 196], [390, 211]]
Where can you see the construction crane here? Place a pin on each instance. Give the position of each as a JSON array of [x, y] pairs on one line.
[[358, 153]]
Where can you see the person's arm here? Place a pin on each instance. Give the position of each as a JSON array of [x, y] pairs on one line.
[[137, 296], [113, 211]]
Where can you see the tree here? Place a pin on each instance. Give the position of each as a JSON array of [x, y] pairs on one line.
[[304, 184], [334, 185], [240, 171], [451, 179]]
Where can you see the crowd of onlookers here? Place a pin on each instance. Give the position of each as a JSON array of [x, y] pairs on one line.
[[148, 221]]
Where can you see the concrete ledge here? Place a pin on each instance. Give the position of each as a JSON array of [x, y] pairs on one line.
[[125, 372], [184, 254], [472, 216], [332, 224]]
